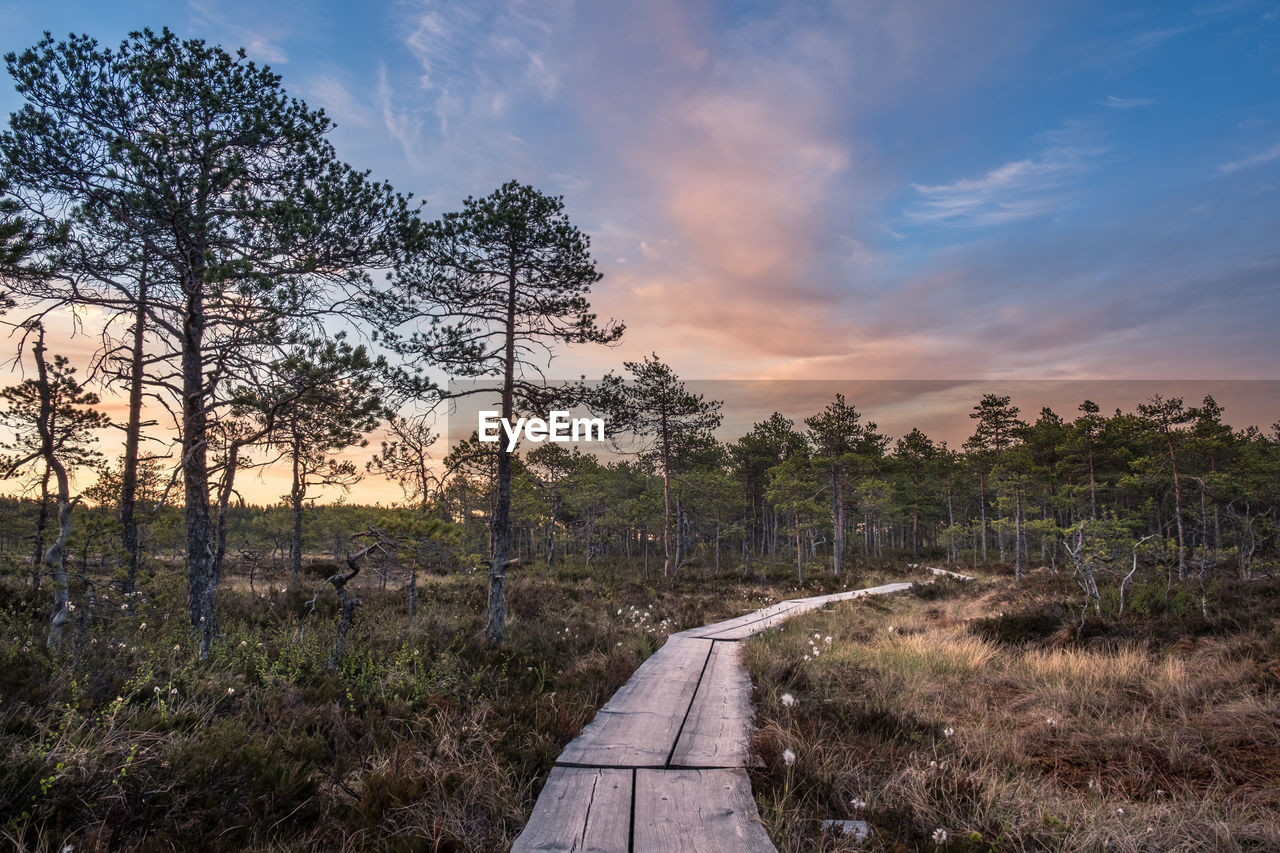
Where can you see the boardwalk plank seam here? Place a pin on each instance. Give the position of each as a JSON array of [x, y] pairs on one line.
[[711, 648], [631, 832]]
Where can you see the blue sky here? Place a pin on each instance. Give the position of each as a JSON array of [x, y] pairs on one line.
[[830, 190]]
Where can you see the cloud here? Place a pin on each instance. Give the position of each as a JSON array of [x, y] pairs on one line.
[[1112, 102], [329, 92], [230, 23], [1017, 190], [478, 58], [744, 184], [1258, 159], [1160, 35], [400, 124]]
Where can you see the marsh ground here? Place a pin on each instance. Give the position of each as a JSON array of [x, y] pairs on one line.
[[986, 716], [987, 712]]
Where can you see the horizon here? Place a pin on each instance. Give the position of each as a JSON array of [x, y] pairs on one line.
[[1003, 192]]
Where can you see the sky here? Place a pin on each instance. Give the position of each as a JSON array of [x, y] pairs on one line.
[[826, 191]]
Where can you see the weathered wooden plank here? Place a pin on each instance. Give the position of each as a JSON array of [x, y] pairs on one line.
[[700, 811], [883, 589], [755, 626], [745, 626], [580, 810], [638, 726], [948, 573], [686, 807], [761, 620], [716, 731]]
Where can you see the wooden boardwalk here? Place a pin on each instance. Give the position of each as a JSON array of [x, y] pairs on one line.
[[662, 767]]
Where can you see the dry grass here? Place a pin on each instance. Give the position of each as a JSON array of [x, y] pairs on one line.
[[1130, 745], [427, 737]]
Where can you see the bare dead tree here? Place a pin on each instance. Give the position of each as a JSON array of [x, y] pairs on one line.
[[55, 556], [1083, 564], [1124, 582], [348, 603]]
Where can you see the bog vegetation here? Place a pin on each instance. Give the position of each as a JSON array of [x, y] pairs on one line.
[[408, 672], [969, 717]]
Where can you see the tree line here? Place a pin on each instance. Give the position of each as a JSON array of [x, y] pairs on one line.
[[1197, 496]]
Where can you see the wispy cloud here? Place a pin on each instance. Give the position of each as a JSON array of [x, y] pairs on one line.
[[1258, 159], [401, 125], [1161, 35], [475, 59], [331, 93], [260, 39], [1112, 102], [1020, 189]]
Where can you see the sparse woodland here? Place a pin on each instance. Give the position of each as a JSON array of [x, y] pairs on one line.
[[179, 666]]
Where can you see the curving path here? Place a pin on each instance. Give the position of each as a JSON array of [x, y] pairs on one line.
[[662, 765]]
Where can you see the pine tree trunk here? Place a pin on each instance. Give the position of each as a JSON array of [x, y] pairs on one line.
[[133, 433], [982, 513], [202, 582], [413, 592], [296, 496], [501, 530], [1177, 513], [799, 552], [1093, 487], [42, 523], [667, 566], [837, 545], [55, 557], [1018, 544], [551, 535]]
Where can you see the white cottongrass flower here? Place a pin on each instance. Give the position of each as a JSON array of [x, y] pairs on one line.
[[788, 757], [788, 700], [890, 629], [948, 731], [1051, 721], [142, 627], [827, 641], [858, 803], [1120, 811], [939, 836], [230, 690]]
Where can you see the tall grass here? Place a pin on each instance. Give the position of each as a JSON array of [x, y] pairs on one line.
[[929, 731], [425, 738]]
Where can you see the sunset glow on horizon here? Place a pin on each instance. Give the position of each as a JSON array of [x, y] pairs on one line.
[[844, 192]]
